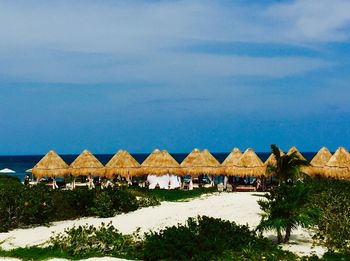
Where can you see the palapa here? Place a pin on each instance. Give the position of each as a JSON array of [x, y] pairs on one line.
[[297, 152], [271, 161], [160, 163], [51, 165], [87, 164], [123, 164], [248, 165], [213, 166], [232, 160], [199, 163], [319, 161], [193, 164], [339, 164]]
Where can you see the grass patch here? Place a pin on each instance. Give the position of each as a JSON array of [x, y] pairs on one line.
[[173, 195]]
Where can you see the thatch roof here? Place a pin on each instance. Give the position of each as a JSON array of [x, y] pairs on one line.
[[161, 163], [248, 165], [51, 165], [271, 160], [198, 163], [123, 164], [213, 166], [338, 165], [321, 158], [87, 164], [319, 161], [297, 152], [232, 158]]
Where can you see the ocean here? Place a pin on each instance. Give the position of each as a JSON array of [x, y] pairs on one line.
[[22, 163]]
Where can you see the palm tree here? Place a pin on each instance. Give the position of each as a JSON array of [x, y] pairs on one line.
[[288, 167], [285, 205]]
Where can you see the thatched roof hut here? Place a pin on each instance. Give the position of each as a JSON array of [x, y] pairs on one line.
[[87, 164], [338, 165], [123, 164], [248, 165], [319, 162], [232, 160], [51, 165], [271, 161], [212, 165], [297, 152], [198, 163], [160, 163], [193, 164]]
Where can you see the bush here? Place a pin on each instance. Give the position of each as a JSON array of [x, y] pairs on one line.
[[103, 205], [21, 206], [333, 198], [11, 204], [208, 238], [89, 240]]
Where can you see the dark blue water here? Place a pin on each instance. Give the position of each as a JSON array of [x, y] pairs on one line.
[[21, 163]]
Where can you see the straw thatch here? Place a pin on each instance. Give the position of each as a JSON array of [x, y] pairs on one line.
[[232, 158], [213, 166], [297, 152], [339, 164], [271, 160], [303, 169], [87, 164], [319, 162], [51, 165], [248, 165], [193, 164], [198, 163], [123, 164], [160, 163]]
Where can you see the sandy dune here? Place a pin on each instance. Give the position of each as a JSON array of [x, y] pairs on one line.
[[239, 207]]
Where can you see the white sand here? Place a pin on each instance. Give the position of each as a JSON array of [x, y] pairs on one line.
[[239, 207]]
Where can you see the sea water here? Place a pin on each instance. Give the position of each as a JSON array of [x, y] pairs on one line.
[[22, 163]]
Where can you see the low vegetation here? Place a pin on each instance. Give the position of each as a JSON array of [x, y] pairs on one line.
[[22, 206], [202, 238], [332, 197]]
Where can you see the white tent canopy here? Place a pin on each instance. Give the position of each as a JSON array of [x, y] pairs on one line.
[[6, 170], [164, 181]]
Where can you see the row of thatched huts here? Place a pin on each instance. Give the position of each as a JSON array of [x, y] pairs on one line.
[[196, 163]]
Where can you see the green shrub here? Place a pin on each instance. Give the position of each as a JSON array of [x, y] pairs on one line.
[[21, 206], [8, 179], [11, 205], [333, 198], [38, 207], [88, 240], [208, 238], [103, 205]]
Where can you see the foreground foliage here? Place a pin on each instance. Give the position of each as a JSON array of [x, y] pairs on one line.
[[332, 197], [285, 207], [208, 238], [203, 238], [22, 206]]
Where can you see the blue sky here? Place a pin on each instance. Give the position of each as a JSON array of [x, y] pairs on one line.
[[173, 75]]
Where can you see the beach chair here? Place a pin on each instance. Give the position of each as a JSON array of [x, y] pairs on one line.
[[220, 187]]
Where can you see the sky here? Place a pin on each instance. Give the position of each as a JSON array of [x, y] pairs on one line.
[[138, 75]]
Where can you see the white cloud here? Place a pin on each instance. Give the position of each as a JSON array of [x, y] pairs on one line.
[[313, 20], [111, 41]]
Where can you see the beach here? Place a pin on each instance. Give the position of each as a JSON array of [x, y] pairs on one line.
[[241, 208]]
